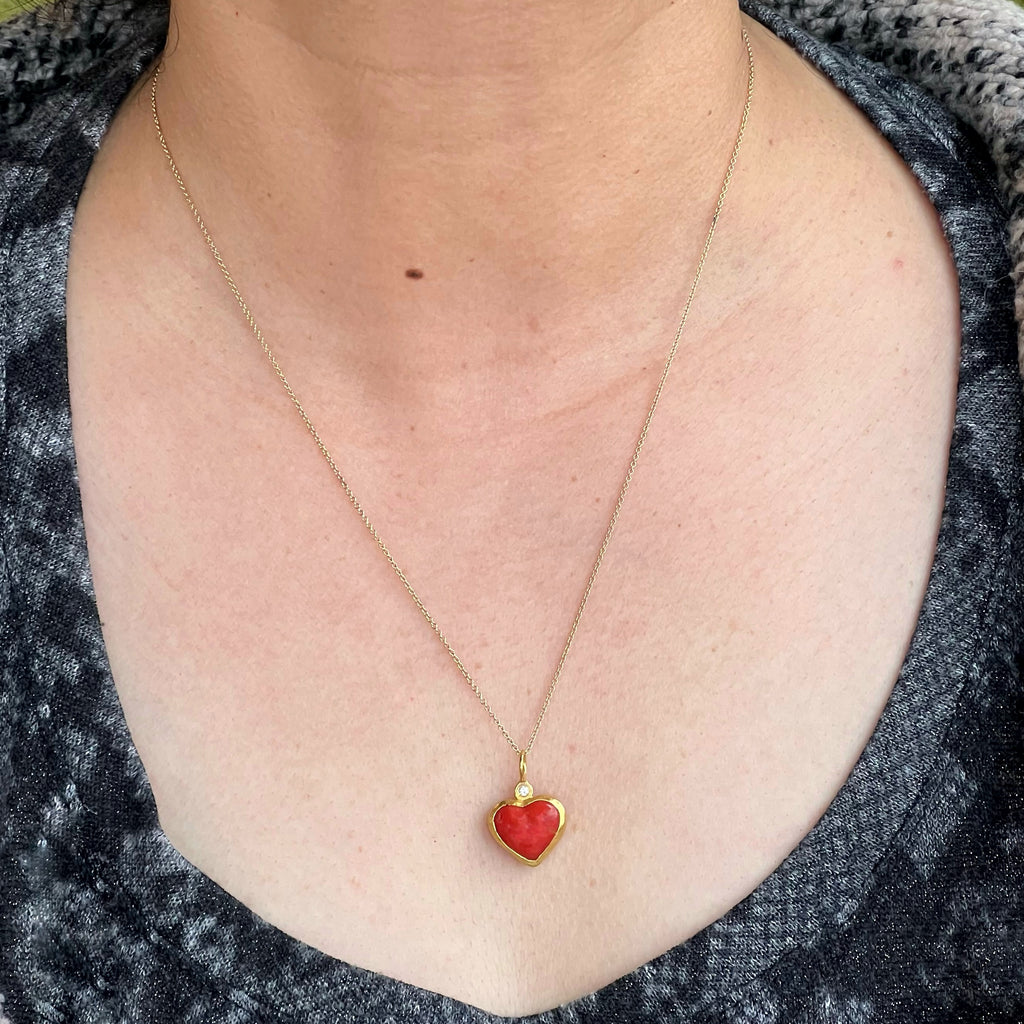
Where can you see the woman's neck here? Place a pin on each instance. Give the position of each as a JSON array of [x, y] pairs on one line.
[[502, 149]]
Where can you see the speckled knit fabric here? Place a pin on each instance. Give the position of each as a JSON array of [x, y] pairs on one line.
[[905, 902]]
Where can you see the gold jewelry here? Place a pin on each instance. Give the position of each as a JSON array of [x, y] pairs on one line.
[[527, 826]]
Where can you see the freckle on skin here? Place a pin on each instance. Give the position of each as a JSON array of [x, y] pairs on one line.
[[414, 272]]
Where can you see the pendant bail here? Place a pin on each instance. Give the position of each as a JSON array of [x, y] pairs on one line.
[[523, 791]]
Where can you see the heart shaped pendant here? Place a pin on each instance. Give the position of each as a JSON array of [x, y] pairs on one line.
[[527, 826]]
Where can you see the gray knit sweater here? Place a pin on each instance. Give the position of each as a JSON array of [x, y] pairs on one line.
[[904, 903]]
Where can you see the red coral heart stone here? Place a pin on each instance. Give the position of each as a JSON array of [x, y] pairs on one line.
[[527, 830]]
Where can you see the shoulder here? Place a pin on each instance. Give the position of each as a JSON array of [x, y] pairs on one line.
[[872, 144], [882, 238], [913, 93], [948, 84]]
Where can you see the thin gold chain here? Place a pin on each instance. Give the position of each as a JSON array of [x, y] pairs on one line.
[[355, 501]]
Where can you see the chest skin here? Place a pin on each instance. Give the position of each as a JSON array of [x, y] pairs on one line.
[[310, 744]]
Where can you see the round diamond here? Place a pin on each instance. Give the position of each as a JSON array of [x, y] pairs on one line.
[[522, 789]]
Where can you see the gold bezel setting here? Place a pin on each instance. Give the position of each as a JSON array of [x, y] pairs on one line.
[[522, 796], [519, 802]]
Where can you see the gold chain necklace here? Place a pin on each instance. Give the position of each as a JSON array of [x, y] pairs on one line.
[[527, 826]]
